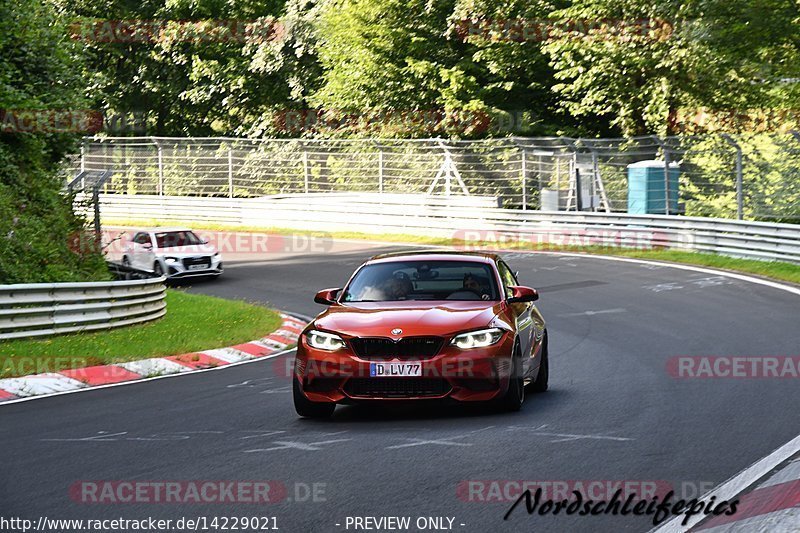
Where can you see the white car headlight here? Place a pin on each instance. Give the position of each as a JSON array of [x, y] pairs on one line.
[[478, 339], [324, 341], [171, 259]]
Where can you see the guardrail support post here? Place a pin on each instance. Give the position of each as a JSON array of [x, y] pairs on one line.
[[230, 172], [739, 176]]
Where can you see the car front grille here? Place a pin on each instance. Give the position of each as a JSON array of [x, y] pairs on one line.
[[192, 261], [396, 387], [382, 348]]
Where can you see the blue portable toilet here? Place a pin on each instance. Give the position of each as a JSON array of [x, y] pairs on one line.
[[646, 187]]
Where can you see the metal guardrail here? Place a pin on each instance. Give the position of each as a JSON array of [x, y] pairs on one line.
[[441, 216], [39, 309]]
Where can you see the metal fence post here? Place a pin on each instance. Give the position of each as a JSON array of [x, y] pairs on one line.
[[663, 145], [739, 176], [230, 171], [524, 180], [160, 167], [305, 169], [380, 171], [667, 199], [83, 154]]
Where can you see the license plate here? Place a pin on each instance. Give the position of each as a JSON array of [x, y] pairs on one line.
[[198, 267], [395, 370]]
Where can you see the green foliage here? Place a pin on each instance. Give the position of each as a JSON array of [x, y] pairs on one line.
[[375, 67], [189, 79], [714, 54], [41, 239]]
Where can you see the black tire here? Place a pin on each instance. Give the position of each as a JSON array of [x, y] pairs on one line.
[[126, 262], [308, 409], [540, 383], [158, 270], [514, 397]]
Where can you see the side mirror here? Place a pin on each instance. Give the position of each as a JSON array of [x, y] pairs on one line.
[[147, 246], [327, 296], [520, 294]]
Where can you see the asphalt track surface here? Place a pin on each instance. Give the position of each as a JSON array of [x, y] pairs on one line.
[[613, 411]]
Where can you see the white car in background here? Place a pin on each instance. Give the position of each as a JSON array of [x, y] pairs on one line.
[[173, 252]]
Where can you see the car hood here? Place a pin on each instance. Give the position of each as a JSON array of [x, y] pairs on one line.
[[188, 251], [378, 319]]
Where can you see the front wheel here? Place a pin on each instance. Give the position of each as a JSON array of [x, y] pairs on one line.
[[158, 270], [514, 397], [308, 409], [540, 383]]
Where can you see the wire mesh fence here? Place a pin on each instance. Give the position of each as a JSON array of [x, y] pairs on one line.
[[754, 177]]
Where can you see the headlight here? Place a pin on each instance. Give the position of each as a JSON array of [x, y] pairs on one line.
[[324, 341], [216, 254], [170, 259], [478, 339]]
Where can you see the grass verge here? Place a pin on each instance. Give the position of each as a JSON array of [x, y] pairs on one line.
[[193, 322], [776, 270]]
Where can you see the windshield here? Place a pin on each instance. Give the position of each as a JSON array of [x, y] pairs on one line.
[[422, 280], [169, 239]]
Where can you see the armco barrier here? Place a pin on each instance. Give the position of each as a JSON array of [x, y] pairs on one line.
[[453, 215], [38, 309]]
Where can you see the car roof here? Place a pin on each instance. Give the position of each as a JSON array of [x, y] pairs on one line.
[[435, 255], [161, 230]]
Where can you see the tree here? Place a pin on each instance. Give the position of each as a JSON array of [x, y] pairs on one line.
[[40, 86], [184, 64], [639, 63]]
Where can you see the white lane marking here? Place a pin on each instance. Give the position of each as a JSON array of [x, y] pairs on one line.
[[46, 383], [102, 436], [105, 436], [133, 382], [729, 489], [661, 287], [156, 366], [599, 312], [259, 383], [790, 472], [424, 442], [262, 434], [711, 281], [445, 441], [250, 383], [566, 437], [296, 445]]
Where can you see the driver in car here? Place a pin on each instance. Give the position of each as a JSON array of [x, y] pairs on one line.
[[471, 283], [397, 288]]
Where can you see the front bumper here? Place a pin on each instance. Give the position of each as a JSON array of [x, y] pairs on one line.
[[177, 269], [474, 375]]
